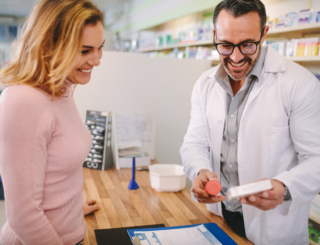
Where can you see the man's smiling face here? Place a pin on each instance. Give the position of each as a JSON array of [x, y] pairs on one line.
[[235, 30]]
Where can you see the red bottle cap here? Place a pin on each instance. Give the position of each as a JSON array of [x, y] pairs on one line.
[[213, 187]]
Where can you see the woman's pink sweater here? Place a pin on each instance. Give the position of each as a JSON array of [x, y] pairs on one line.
[[43, 144]]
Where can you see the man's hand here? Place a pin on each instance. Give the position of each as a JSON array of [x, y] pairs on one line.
[[198, 185], [268, 199]]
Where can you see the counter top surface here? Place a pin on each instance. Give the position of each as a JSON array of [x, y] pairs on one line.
[[121, 207]]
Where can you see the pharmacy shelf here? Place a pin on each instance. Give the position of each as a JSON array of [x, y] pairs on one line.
[[303, 29], [312, 242], [315, 217], [180, 45], [289, 32], [305, 58], [295, 59]]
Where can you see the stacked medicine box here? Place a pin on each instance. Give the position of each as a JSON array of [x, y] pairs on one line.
[[100, 126]]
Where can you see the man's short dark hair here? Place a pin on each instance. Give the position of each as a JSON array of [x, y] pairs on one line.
[[238, 8]]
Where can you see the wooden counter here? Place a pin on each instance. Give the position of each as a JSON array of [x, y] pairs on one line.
[[121, 207]]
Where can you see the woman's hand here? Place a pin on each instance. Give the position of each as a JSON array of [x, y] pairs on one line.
[[89, 206]]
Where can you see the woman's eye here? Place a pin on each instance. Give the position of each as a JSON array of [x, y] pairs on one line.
[[84, 51]]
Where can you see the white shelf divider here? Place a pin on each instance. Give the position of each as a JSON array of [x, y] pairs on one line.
[[312, 242], [305, 28], [304, 58], [315, 217], [180, 45]]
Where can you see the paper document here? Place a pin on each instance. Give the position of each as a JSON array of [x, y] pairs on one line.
[[198, 235], [134, 127]]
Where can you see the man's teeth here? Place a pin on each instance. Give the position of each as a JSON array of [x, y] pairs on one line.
[[87, 71], [237, 65]]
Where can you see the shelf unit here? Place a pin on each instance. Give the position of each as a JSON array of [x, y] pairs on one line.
[[180, 45], [304, 58], [312, 242], [288, 33], [295, 31], [315, 217], [295, 59]]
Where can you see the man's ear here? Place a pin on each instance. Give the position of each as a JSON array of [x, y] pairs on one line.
[[266, 29], [213, 32]]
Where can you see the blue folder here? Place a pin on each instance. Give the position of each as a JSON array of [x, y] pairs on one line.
[[212, 227]]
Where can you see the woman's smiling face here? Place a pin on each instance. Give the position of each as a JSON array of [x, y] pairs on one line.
[[92, 42]]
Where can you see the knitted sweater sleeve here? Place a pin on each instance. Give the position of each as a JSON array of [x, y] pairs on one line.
[[26, 127]]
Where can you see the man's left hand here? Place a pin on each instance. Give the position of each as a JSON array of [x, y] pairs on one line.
[[268, 199]]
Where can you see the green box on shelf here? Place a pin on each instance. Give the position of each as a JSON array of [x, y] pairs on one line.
[[313, 234]]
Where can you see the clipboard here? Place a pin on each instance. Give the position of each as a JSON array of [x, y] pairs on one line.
[[212, 227]]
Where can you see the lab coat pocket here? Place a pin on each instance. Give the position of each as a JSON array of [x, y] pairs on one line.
[[287, 229], [280, 145], [277, 227]]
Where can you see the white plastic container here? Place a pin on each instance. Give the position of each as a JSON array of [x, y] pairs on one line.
[[167, 177]]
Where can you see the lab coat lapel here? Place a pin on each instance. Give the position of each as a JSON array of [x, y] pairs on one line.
[[257, 87], [274, 63], [222, 96], [216, 133]]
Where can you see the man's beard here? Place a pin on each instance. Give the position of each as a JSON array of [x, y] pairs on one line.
[[239, 75]]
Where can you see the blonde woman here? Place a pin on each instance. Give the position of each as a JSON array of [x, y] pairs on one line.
[[43, 141]]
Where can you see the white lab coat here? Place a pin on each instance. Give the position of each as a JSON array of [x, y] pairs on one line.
[[279, 137]]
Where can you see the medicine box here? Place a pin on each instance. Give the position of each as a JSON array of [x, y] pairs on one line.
[[313, 234]]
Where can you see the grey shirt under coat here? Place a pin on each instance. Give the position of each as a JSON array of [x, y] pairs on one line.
[[235, 107]]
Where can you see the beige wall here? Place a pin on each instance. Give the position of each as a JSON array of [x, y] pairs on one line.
[[135, 83]]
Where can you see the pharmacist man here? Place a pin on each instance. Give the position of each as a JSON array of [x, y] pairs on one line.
[[255, 116]]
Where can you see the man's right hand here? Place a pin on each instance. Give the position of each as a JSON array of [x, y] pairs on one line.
[[198, 185]]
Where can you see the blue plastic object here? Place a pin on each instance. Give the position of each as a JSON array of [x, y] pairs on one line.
[[213, 228], [133, 184]]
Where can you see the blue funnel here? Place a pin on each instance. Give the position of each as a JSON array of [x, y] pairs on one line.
[[133, 184]]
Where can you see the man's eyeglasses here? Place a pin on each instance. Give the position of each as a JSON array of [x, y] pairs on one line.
[[246, 48]]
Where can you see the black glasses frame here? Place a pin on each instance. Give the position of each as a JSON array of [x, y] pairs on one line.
[[237, 45]]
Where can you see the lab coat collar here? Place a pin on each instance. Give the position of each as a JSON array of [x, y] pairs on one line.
[[274, 62], [218, 69], [257, 69]]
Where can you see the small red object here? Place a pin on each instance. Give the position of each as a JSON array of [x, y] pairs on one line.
[[213, 187]]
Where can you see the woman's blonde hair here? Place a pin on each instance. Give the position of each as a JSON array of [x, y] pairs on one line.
[[49, 44]]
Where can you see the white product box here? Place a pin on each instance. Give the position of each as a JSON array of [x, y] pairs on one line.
[[289, 49], [279, 47], [126, 162], [291, 19], [248, 189], [281, 21], [313, 16], [167, 177], [303, 16]]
